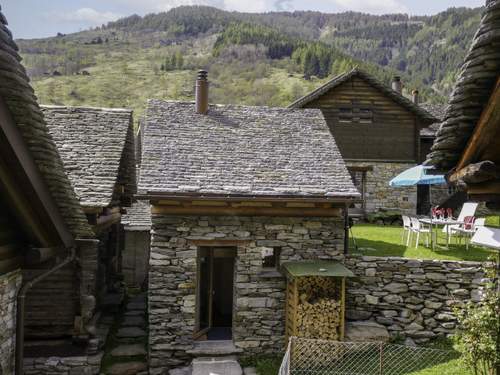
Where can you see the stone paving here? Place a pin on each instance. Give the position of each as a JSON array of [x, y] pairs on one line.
[[126, 352]]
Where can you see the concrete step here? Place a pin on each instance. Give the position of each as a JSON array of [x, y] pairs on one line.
[[216, 366], [214, 348]]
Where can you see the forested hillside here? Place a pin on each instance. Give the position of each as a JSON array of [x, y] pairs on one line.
[[257, 59]]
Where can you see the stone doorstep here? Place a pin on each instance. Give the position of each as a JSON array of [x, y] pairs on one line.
[[214, 348], [216, 365]]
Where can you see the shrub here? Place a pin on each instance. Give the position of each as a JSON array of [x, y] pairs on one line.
[[478, 337]]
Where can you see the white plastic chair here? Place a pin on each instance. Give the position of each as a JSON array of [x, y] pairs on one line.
[[406, 229], [487, 237], [468, 209], [418, 227], [468, 231]]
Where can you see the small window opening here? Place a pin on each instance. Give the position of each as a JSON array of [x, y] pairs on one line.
[[345, 114], [271, 258]]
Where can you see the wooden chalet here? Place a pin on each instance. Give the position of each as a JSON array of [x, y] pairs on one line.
[[235, 191], [98, 153], [43, 230], [467, 145], [377, 131]]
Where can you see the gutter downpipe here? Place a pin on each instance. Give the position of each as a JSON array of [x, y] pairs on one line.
[[21, 304]]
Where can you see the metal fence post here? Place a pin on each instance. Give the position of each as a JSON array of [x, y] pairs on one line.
[[381, 358]]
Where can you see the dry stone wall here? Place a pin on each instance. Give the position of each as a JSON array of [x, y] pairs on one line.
[[82, 365], [378, 192], [259, 299], [412, 298], [9, 286]]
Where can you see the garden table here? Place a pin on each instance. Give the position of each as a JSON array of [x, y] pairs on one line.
[[435, 225]]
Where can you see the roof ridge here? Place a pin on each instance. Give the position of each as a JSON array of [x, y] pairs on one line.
[[103, 109]]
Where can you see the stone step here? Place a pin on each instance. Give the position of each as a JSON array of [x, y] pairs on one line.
[[130, 332], [128, 350], [216, 365], [127, 368], [133, 321], [214, 348]]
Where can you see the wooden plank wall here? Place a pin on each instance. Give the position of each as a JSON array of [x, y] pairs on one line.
[[11, 256], [52, 304], [390, 136]]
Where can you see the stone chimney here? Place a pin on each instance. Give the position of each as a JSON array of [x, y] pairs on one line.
[[415, 97], [397, 85], [201, 92]]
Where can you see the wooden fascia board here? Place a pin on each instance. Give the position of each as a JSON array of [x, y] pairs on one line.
[[487, 126], [246, 198], [16, 144]]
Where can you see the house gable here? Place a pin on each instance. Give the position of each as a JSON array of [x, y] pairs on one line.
[[367, 124]]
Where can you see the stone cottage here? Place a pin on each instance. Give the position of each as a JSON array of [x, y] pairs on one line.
[[234, 192], [44, 235], [98, 153], [377, 130]]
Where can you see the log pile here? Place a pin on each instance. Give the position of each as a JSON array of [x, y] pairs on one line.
[[318, 309]]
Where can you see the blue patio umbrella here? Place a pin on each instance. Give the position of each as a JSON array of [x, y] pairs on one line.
[[417, 176]]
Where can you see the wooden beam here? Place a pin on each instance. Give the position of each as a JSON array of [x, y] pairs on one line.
[[219, 242], [48, 221], [476, 173], [490, 187], [485, 131], [247, 211], [158, 198]]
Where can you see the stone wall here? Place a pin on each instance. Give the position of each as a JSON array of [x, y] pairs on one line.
[[135, 257], [379, 194], [9, 286], [258, 316], [412, 298], [82, 365]]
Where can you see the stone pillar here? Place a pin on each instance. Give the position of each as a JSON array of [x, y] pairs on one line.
[[9, 286]]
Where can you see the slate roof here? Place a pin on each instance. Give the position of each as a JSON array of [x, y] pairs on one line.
[[356, 72], [473, 88], [438, 111], [138, 217], [92, 143], [19, 96], [240, 151]]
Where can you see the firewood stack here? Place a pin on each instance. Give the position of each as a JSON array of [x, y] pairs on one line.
[[318, 309]]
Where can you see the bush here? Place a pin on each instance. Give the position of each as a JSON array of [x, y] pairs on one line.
[[478, 337]]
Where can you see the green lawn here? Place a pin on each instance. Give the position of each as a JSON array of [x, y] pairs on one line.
[[380, 240]]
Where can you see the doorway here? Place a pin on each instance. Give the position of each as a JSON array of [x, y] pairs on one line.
[[215, 291]]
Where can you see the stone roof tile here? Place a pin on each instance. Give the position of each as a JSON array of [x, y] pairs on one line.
[[20, 98], [240, 151], [92, 144], [475, 83]]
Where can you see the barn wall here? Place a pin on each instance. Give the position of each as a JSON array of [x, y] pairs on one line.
[[52, 303], [9, 286], [390, 136], [258, 324]]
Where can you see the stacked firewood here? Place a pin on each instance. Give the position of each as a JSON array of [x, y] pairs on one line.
[[318, 310]]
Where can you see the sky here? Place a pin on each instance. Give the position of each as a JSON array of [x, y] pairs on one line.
[[42, 18]]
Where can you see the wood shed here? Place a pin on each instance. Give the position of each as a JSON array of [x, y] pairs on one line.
[[315, 299]]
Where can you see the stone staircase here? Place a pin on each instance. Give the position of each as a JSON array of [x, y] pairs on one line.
[[126, 349], [221, 365]]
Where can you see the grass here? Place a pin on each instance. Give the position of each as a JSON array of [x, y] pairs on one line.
[[265, 365], [269, 365], [377, 240]]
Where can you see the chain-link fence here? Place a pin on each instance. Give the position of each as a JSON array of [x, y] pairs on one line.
[[321, 357]]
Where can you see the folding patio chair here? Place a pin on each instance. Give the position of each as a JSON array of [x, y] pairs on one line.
[[487, 237]]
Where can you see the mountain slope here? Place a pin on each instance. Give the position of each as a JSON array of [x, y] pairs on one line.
[[260, 59]]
